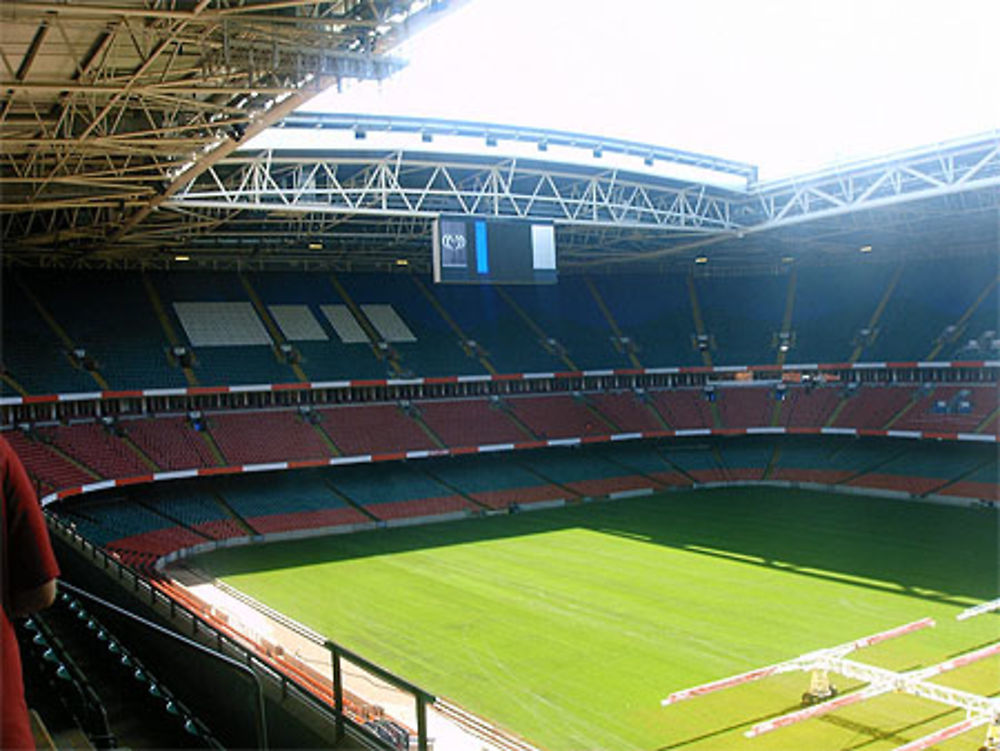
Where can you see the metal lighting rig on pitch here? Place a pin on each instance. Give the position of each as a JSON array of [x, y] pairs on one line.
[[821, 698]]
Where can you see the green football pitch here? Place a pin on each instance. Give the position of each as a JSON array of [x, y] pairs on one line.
[[568, 626]]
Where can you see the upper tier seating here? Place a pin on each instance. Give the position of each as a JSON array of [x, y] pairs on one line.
[[931, 295], [743, 318], [32, 353], [321, 359], [437, 350], [932, 310], [121, 332], [832, 307], [655, 314], [568, 313], [971, 339], [507, 342], [218, 365]]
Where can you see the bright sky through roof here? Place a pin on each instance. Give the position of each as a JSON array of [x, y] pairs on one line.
[[789, 85]]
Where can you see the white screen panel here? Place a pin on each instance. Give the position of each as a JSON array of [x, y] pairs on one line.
[[388, 323], [543, 246], [221, 324], [297, 323], [344, 323]]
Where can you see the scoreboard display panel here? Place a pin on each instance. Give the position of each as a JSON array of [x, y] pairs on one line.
[[475, 250]]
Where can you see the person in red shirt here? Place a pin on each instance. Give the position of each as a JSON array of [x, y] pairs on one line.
[[29, 570]]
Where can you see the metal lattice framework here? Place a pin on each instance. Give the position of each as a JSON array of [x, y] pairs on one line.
[[980, 710], [400, 184], [928, 173], [376, 206], [121, 123], [108, 108]]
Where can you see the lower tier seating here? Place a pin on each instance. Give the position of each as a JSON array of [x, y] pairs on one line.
[[65, 456], [562, 416], [683, 408], [97, 448], [141, 523], [495, 482], [171, 442], [239, 437], [47, 467], [470, 422], [746, 407], [626, 411], [873, 406], [373, 429]]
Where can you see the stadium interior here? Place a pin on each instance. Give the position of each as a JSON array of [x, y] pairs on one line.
[[207, 346]]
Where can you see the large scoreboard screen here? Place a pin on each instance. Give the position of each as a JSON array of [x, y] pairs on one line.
[[473, 250]]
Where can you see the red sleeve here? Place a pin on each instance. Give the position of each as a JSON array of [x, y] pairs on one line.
[[30, 560]]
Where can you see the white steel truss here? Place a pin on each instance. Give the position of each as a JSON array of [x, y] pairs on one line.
[[276, 203], [980, 710], [968, 165], [603, 215], [983, 607], [401, 184]]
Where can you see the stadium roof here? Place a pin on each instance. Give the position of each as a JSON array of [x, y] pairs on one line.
[[124, 129], [109, 107]]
